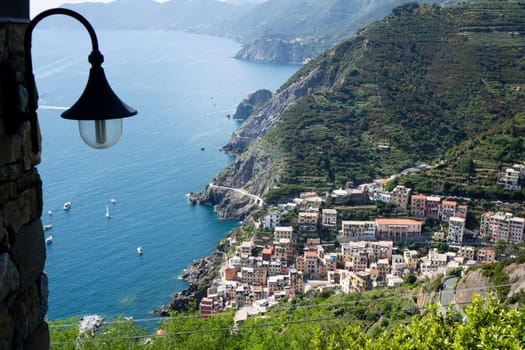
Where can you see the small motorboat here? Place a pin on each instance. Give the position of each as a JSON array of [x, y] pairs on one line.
[[140, 250], [48, 227], [113, 200], [49, 239], [49, 212], [67, 205]]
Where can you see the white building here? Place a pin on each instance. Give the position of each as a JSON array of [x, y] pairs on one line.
[[510, 178], [329, 218], [352, 231], [456, 228], [272, 220]]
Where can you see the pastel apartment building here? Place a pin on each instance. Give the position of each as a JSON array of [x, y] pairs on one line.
[[433, 263], [502, 226], [312, 264], [206, 307], [329, 218], [419, 205], [283, 232], [466, 252], [486, 255], [357, 256], [435, 208], [350, 281], [400, 195], [398, 229], [308, 220], [510, 178], [272, 220], [352, 231], [456, 228]]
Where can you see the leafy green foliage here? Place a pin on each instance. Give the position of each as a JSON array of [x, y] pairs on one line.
[[325, 321]]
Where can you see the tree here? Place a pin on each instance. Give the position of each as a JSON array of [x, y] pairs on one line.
[[410, 279]]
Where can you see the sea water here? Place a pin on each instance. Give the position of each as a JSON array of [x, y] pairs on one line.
[[184, 87]]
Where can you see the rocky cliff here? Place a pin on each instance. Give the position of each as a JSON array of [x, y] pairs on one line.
[[200, 275], [274, 50], [308, 81], [259, 164], [252, 103]]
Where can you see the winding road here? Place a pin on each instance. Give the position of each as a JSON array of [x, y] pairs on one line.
[[258, 200]]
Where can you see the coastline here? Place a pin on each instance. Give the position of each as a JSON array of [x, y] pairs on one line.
[[200, 274]]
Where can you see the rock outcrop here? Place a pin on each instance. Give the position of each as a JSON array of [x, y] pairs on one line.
[[272, 50], [200, 275], [259, 123], [259, 165], [253, 102]]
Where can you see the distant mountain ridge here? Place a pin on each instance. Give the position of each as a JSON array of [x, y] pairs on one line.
[[279, 31], [403, 91]]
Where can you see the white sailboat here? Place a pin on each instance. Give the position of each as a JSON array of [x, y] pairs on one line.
[[107, 212], [140, 250], [49, 239]]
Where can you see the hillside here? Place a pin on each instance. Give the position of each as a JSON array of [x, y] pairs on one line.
[[406, 90]]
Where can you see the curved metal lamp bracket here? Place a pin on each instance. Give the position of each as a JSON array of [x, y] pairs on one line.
[[95, 58], [97, 103]]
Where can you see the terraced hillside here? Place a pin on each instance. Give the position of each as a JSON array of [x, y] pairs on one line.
[[405, 90]]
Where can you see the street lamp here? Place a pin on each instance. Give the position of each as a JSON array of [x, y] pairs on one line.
[[98, 110]]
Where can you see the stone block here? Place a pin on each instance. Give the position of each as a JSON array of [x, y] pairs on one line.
[[6, 329], [44, 294], [26, 313], [11, 146], [25, 208], [4, 239], [9, 276], [39, 339], [29, 253]]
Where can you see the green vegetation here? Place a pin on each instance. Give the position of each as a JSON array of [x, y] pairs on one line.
[[425, 84], [472, 166], [282, 193], [374, 320]]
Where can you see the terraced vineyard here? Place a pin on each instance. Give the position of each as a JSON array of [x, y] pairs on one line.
[[428, 84]]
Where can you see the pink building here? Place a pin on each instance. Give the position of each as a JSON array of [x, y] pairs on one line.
[[419, 205], [433, 207], [502, 226]]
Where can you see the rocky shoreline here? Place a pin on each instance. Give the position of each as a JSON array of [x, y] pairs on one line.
[[200, 275]]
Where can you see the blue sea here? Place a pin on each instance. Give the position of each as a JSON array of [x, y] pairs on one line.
[[183, 86]]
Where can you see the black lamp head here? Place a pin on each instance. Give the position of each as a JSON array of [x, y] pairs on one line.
[[98, 101], [98, 110]]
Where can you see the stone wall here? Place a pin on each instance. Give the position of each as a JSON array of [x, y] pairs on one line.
[[23, 284]]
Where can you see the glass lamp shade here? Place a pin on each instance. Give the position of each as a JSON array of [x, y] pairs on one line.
[[100, 133]]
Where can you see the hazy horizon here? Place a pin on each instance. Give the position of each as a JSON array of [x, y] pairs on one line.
[[36, 7]]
